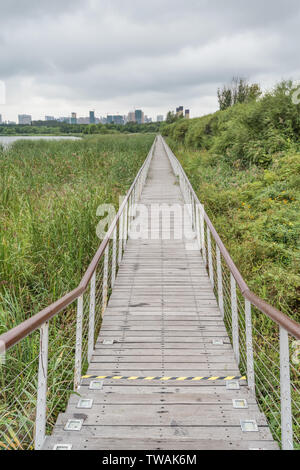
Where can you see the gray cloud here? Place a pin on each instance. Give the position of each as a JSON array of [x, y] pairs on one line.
[[112, 55]]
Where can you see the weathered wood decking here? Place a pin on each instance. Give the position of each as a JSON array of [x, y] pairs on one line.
[[164, 317]]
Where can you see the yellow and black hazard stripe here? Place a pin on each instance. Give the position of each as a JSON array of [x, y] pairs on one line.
[[164, 379]]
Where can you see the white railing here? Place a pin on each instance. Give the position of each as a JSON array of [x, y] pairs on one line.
[[38, 369], [260, 334]]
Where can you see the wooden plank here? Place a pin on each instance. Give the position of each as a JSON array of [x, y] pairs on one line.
[[164, 415], [94, 443], [136, 370], [148, 395], [203, 359], [210, 355], [168, 432]]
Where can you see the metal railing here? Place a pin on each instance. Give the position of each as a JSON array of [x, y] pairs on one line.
[[40, 369], [264, 345]]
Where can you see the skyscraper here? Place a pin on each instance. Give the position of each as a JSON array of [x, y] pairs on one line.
[[92, 117], [187, 114], [0, 118], [139, 116], [179, 111], [73, 118], [131, 116], [159, 118]]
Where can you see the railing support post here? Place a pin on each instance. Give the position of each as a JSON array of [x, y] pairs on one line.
[[197, 210], [125, 222], [114, 258], [41, 405], [220, 281], [105, 279], [120, 254], [235, 320], [91, 335], [285, 392], [210, 263], [78, 348], [249, 347], [202, 234]]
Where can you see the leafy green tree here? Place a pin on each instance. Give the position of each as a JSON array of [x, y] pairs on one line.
[[171, 117], [239, 91]]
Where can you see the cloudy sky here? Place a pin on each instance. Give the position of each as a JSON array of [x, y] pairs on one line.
[[60, 56]]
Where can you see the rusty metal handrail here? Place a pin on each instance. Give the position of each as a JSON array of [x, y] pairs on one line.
[[19, 332], [276, 315]]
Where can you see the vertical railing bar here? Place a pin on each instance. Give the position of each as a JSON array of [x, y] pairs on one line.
[[197, 209], [91, 334], [235, 324], [114, 258], [285, 391], [125, 226], [249, 347], [105, 278], [120, 254], [41, 405], [78, 347], [202, 232], [210, 263], [220, 281]]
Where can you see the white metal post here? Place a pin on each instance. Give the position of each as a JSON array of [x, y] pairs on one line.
[[210, 263], [105, 279], [114, 258], [235, 322], [197, 209], [202, 233], [249, 347], [78, 348], [130, 212], [41, 405], [120, 254], [220, 281], [91, 335], [285, 392], [125, 224], [193, 212]]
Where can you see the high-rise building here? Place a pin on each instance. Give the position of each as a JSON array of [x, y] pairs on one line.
[[73, 118], [49, 118], [159, 118], [24, 119], [131, 116], [187, 114], [179, 111], [139, 116], [0, 118], [92, 117]]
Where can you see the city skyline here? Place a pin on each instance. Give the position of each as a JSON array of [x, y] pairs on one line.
[[136, 115], [68, 115]]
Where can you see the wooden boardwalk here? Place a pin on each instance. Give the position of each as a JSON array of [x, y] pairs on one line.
[[164, 320]]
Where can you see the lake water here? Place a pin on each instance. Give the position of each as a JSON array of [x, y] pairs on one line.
[[7, 140]]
